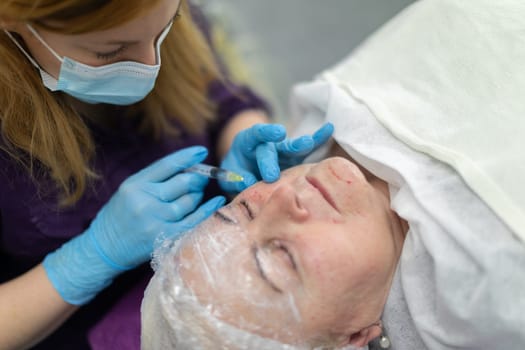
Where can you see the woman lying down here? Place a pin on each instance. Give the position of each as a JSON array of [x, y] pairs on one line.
[[410, 238], [306, 260], [309, 262]]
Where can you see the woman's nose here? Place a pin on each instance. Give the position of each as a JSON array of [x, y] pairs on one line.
[[147, 54], [286, 200]]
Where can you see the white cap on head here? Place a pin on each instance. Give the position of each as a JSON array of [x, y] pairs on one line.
[[173, 317]]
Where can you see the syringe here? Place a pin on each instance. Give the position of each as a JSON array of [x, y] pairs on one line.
[[215, 172]]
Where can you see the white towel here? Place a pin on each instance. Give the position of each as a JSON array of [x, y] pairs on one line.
[[434, 103], [460, 281], [447, 77]]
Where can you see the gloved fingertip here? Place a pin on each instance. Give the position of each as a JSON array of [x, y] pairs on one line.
[[273, 132], [248, 181], [197, 150], [271, 174], [323, 133], [303, 143], [328, 126], [216, 202]]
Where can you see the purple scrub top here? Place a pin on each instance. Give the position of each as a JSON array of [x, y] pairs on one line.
[[32, 225]]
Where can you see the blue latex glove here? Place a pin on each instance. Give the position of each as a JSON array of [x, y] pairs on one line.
[[157, 200], [262, 151]]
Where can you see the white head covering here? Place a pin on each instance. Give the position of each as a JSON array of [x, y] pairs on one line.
[[433, 104], [174, 316], [447, 77]]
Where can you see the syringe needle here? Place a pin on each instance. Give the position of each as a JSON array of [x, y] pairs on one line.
[[214, 172]]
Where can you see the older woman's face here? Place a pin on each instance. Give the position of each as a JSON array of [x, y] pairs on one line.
[[311, 255]]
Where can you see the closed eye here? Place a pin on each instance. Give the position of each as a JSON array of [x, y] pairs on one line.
[[261, 272], [125, 45], [110, 55], [242, 205], [218, 214], [278, 245], [248, 209]]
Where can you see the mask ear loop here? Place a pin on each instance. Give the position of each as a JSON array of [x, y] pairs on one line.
[[28, 56], [35, 33], [160, 39], [49, 81], [61, 59]]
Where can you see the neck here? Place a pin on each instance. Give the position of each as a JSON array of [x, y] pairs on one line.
[[99, 113]]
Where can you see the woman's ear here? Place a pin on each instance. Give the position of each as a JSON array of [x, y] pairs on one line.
[[364, 336]]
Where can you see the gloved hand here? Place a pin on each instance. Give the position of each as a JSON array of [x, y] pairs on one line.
[[157, 200], [261, 152]]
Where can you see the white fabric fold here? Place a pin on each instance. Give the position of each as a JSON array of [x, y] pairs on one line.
[[447, 77], [433, 103], [460, 280]]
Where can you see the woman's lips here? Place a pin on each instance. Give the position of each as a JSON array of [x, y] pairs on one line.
[[318, 186]]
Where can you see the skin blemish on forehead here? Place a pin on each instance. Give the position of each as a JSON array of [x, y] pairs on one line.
[[336, 175], [255, 195]]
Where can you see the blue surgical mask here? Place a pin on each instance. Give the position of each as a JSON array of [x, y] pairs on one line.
[[120, 83]]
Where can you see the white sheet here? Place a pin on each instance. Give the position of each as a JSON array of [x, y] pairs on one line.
[[434, 103], [448, 78], [461, 278]]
